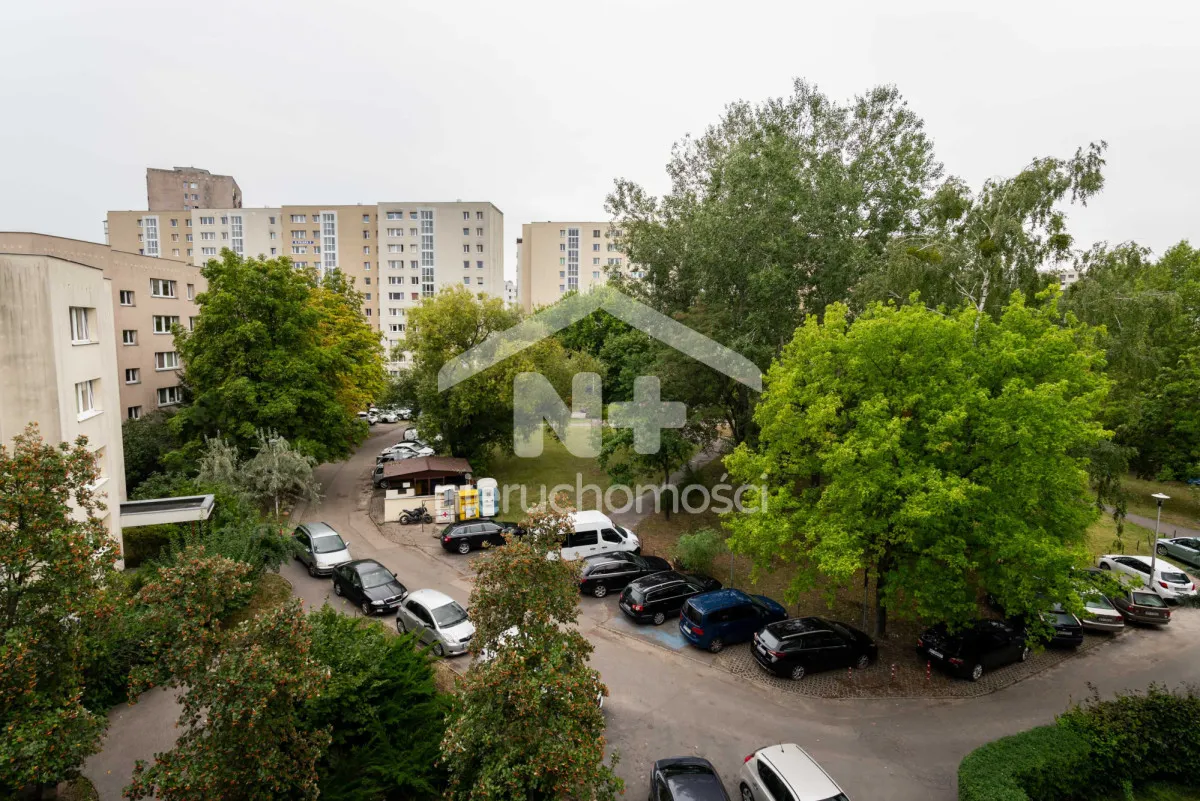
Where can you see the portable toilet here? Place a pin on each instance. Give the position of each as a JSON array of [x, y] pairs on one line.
[[445, 507], [489, 497], [468, 503]]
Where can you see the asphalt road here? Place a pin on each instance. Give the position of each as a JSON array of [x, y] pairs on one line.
[[666, 702]]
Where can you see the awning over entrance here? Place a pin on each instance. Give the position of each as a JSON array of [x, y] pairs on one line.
[[184, 509]]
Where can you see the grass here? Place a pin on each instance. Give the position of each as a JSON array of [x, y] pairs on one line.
[[1182, 510], [555, 466], [78, 789], [272, 590]]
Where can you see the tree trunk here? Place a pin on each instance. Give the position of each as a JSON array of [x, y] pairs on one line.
[[866, 602], [880, 608]]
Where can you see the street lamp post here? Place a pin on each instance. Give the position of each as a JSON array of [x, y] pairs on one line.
[[1158, 496]]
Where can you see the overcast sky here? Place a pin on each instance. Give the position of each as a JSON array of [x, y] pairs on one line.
[[537, 107]]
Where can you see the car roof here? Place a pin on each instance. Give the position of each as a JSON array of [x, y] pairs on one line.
[[659, 579], [612, 556], [808, 780], [360, 565], [318, 529], [717, 599], [430, 599], [590, 517], [798, 625]]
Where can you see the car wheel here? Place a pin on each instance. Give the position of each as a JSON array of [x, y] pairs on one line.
[[863, 662], [977, 672], [1162, 550], [746, 794], [312, 570], [599, 590], [337, 589], [400, 625], [716, 645], [797, 672], [464, 546], [659, 617], [366, 608], [1105, 566], [1025, 653], [438, 649]]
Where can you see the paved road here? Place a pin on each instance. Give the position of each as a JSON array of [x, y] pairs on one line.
[[665, 702]]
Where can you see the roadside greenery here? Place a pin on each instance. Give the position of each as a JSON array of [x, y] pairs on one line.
[[697, 550]]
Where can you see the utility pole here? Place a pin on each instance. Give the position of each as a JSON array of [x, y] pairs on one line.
[[1158, 496]]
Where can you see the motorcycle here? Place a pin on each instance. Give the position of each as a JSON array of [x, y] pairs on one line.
[[418, 515]]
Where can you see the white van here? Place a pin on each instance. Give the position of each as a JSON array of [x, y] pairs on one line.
[[594, 532]]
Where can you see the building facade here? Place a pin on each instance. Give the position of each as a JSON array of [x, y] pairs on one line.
[[555, 258], [510, 292], [190, 188], [148, 297], [58, 354]]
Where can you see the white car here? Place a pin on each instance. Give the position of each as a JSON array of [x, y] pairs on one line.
[[411, 448], [321, 548], [594, 532], [438, 620], [1168, 581], [786, 771], [388, 416]]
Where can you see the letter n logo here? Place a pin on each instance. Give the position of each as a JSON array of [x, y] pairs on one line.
[[535, 402]]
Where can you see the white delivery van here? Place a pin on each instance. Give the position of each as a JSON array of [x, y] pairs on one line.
[[594, 532]]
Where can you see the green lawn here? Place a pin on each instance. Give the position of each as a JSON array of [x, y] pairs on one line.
[[272, 590], [555, 466], [1182, 510]]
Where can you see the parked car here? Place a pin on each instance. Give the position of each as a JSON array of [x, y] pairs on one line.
[[415, 448], [394, 456], [1168, 582], [511, 636], [1185, 549], [713, 620], [404, 414], [368, 418], [1140, 606], [612, 571], [438, 620], [1099, 614], [786, 773], [321, 548], [468, 535], [1068, 630], [387, 416], [685, 779], [594, 532], [984, 645], [370, 585], [794, 648], [656, 597]]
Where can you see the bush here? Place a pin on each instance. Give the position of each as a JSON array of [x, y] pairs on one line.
[[697, 550], [1132, 738]]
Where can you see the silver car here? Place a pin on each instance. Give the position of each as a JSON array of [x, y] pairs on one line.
[[438, 620], [321, 548], [1185, 549]]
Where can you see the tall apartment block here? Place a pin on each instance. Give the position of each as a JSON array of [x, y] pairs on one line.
[[190, 188], [555, 258]]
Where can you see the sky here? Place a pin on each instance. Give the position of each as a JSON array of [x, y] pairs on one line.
[[538, 107]]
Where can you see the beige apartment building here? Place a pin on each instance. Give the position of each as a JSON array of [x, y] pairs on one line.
[[190, 188], [148, 296], [554, 258], [58, 355]]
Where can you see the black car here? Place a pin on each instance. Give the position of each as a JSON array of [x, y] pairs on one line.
[[686, 779], [656, 597], [468, 535], [1068, 630], [803, 645], [968, 653], [370, 585], [610, 571]]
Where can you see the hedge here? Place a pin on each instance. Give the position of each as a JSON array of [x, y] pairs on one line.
[[1090, 750]]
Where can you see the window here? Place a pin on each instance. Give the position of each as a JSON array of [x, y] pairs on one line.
[[224, 221], [562, 260], [615, 262], [467, 279], [611, 247], [562, 231], [174, 237], [595, 233], [414, 279], [191, 291], [478, 232], [596, 260], [208, 236], [479, 280], [273, 251], [596, 247], [466, 215], [129, 336], [299, 250], [479, 265], [133, 375], [174, 251], [80, 330], [151, 229], [368, 311], [189, 238], [411, 231], [395, 215], [126, 297], [412, 215], [466, 248], [395, 248], [169, 396], [235, 234], [299, 234], [208, 251], [272, 235], [366, 218], [192, 323], [395, 296], [174, 223], [85, 398], [163, 323], [162, 288], [414, 264], [134, 412], [367, 280], [773, 783], [562, 273], [366, 250], [562, 246], [479, 248], [395, 264], [367, 296], [395, 232], [367, 266], [479, 215], [395, 279], [192, 185], [316, 248], [595, 274], [190, 251], [298, 218], [166, 360], [415, 296], [396, 328], [329, 239], [207, 220], [271, 221], [366, 234]]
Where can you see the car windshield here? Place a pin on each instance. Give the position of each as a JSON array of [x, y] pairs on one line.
[[1097, 602], [759, 603], [328, 543], [691, 613], [1174, 578], [842, 630], [679, 770], [1059, 618], [376, 578], [637, 594], [1148, 599], [449, 615]]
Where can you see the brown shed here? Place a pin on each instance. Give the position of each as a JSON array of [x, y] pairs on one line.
[[426, 472]]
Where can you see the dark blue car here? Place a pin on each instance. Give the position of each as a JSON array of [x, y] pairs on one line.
[[713, 620]]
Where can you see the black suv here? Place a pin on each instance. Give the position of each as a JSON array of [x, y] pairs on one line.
[[794, 648], [655, 598], [968, 653], [610, 571], [467, 535]]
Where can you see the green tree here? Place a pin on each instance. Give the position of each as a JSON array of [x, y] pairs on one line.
[[146, 441], [625, 465], [774, 212], [940, 454], [1168, 429], [244, 733], [525, 724], [56, 559], [385, 715], [276, 348], [277, 472]]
